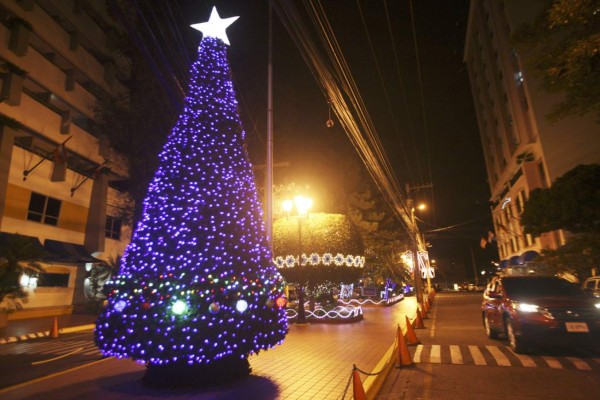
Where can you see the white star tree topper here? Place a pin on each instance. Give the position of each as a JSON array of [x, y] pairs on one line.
[[215, 27]]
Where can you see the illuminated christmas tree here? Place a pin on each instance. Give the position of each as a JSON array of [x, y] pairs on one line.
[[198, 292]]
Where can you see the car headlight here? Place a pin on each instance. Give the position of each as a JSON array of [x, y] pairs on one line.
[[526, 307], [597, 305]]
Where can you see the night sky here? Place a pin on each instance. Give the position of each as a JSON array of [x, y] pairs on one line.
[[429, 132]]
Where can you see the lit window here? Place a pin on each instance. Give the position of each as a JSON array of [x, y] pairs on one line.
[[43, 209]]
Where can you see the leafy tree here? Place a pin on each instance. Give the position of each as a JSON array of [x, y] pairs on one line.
[[564, 46], [571, 203], [577, 257], [99, 275], [320, 233], [382, 236], [18, 255]]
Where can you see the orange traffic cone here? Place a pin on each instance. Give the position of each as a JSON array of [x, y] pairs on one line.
[[426, 306], [359, 391], [404, 358], [54, 330], [410, 337], [418, 323], [423, 312]]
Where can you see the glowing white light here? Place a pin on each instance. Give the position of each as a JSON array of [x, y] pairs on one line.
[[326, 259], [215, 27], [527, 307], [339, 312], [120, 305], [241, 305], [407, 258], [179, 307]]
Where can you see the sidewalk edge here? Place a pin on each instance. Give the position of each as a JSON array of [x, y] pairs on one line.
[[373, 383]]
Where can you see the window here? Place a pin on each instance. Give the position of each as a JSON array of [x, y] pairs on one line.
[[113, 227], [520, 202], [43, 209], [53, 280]]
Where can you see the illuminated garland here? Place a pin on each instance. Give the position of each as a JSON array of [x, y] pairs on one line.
[[362, 302], [339, 312], [423, 259], [407, 258], [424, 266], [314, 259]]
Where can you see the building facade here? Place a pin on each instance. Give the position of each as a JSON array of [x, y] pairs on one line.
[[523, 151], [58, 173]]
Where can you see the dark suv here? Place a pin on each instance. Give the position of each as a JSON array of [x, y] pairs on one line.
[[533, 310]]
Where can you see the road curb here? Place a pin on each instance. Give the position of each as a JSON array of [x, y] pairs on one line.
[[36, 335], [372, 385]]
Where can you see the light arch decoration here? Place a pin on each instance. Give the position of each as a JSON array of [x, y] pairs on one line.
[[315, 259]]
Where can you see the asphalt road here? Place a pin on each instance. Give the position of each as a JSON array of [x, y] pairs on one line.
[[22, 362], [457, 361]]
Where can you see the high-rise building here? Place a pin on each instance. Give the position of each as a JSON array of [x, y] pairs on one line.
[[58, 173], [523, 151]]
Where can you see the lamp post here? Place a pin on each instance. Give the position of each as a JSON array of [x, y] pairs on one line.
[[302, 204]]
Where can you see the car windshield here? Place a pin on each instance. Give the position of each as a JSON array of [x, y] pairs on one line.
[[539, 287]]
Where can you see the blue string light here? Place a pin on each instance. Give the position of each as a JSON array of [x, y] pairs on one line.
[[197, 282]]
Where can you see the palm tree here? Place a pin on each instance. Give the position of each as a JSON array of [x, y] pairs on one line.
[[18, 255]]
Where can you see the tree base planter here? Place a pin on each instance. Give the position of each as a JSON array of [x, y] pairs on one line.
[[183, 375]]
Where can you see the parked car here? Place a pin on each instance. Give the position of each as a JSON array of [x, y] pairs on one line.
[[592, 286], [535, 310]]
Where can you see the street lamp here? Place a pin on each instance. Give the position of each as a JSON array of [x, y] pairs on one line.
[[302, 204]]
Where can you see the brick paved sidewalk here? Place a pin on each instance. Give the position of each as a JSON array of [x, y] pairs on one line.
[[314, 362]]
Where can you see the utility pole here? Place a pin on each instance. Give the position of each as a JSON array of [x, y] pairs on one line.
[[269, 174], [419, 241], [474, 267]]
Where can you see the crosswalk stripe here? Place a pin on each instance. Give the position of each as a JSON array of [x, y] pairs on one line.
[[417, 355], [526, 361], [500, 358], [579, 363], [552, 362], [455, 355], [435, 355], [477, 356]]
